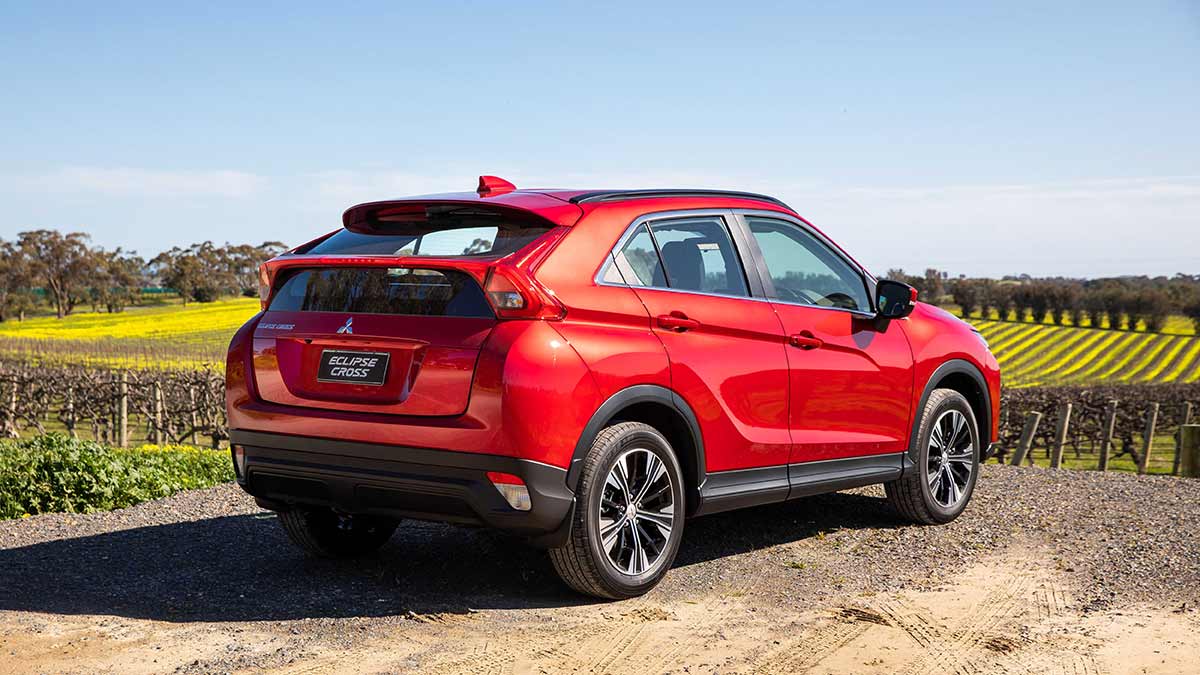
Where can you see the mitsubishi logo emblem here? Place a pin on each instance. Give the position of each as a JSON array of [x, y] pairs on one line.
[[347, 329]]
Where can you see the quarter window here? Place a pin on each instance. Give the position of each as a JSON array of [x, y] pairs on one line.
[[804, 270], [637, 263]]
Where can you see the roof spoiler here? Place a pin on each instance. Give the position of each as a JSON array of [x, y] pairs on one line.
[[375, 217]]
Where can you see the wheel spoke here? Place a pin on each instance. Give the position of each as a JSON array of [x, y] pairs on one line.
[[610, 534], [620, 474], [663, 521], [637, 561], [955, 492], [959, 423], [654, 469]]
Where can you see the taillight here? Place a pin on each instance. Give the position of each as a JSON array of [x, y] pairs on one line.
[[264, 285], [239, 461], [515, 295], [512, 488]]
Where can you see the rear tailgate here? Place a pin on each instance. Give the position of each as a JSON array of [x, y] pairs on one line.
[[402, 341]]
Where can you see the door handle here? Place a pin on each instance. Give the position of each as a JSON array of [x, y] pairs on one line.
[[677, 321], [805, 340]]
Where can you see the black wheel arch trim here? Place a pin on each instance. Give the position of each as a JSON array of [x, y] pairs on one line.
[[607, 412], [952, 367]]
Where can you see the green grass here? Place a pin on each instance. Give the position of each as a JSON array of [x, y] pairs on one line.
[[54, 473]]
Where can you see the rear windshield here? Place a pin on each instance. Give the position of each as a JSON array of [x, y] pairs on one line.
[[484, 240], [382, 290]]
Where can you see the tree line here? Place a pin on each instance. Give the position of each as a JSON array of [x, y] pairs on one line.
[[1120, 302], [65, 271]]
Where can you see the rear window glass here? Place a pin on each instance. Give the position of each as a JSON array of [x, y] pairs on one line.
[[382, 290], [487, 240]]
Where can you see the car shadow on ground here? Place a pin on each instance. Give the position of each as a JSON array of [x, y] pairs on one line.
[[242, 568]]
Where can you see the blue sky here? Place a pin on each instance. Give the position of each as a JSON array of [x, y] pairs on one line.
[[989, 139]]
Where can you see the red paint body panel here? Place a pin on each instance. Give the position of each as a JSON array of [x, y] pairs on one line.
[[936, 336], [851, 396], [528, 387], [732, 371]]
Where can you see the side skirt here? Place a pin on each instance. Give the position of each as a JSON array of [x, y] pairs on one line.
[[727, 490]]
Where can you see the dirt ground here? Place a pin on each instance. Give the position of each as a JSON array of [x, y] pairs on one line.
[[827, 585]]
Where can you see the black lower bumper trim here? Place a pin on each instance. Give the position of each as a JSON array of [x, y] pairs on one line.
[[283, 471]]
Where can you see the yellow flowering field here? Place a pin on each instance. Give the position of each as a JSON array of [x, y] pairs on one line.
[[1038, 354], [162, 336]]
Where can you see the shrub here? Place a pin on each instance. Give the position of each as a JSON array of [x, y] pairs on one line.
[[55, 473]]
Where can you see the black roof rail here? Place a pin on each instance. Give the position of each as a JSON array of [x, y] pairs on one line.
[[619, 195]]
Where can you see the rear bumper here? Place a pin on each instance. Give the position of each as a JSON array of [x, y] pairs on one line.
[[282, 471]]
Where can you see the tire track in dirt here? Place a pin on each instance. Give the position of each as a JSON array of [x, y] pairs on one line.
[[800, 655], [982, 640]]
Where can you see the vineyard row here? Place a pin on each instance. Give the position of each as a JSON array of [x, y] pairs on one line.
[[188, 406]]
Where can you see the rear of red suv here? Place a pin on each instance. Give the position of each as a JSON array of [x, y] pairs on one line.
[[392, 369], [586, 370]]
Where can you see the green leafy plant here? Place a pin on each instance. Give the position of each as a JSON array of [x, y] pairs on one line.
[[55, 473]]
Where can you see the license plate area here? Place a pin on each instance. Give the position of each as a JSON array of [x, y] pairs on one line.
[[342, 366]]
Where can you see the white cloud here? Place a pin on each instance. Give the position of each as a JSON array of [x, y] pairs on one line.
[[147, 182]]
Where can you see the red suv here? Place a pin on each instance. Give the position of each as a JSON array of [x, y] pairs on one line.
[[588, 370]]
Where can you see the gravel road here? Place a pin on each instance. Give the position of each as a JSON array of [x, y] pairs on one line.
[[206, 582]]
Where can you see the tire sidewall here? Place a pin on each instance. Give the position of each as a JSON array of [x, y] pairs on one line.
[[951, 401], [621, 584]]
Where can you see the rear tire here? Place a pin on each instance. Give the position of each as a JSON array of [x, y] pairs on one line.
[[937, 488], [323, 533], [628, 517]]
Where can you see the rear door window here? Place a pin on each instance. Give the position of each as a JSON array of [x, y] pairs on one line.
[[382, 290], [698, 255], [686, 254]]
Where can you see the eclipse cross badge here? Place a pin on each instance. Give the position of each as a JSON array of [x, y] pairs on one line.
[[347, 329]]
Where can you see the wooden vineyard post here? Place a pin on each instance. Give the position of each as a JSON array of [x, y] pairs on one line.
[[158, 413], [10, 420], [70, 413], [1022, 449], [1186, 420], [1060, 435], [123, 411], [1189, 444], [1110, 422], [1148, 438], [195, 413]]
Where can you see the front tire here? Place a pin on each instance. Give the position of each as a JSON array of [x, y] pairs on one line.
[[322, 533], [629, 514], [936, 490]]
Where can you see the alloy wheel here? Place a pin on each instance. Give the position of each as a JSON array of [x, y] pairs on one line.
[[637, 512], [951, 458]]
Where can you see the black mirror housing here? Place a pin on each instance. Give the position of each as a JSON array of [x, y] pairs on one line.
[[893, 299]]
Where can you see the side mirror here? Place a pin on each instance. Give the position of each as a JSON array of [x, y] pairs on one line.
[[893, 299]]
